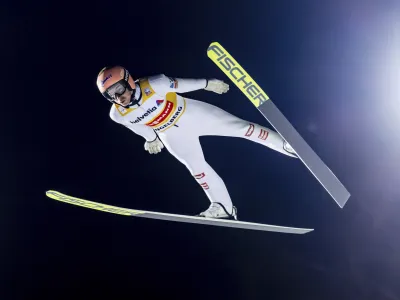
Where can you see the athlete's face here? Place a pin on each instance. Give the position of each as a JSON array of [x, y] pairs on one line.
[[125, 98]]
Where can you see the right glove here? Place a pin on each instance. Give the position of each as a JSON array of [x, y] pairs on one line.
[[154, 147], [217, 86]]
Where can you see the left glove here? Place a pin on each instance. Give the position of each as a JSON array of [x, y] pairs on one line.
[[154, 147], [217, 86]]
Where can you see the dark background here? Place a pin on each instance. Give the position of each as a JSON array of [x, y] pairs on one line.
[[332, 68]]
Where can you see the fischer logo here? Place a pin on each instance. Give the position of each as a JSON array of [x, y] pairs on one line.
[[237, 74], [146, 114], [170, 122]]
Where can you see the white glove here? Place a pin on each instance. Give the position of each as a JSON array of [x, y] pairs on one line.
[[217, 86], [154, 147]]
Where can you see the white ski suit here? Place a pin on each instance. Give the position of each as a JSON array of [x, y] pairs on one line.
[[179, 122]]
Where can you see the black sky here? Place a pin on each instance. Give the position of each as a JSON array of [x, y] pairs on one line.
[[330, 66]]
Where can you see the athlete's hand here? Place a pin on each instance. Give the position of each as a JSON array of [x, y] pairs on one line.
[[217, 86], [154, 147]]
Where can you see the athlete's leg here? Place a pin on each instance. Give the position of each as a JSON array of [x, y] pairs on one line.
[[187, 149], [213, 120]]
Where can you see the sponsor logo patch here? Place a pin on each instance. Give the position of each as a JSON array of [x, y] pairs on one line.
[[105, 79], [173, 83], [145, 115], [164, 114], [172, 120]]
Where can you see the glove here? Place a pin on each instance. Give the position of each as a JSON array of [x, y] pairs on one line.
[[217, 86], [154, 147]]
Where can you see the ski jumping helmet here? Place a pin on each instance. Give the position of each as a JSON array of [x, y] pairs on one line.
[[112, 81]]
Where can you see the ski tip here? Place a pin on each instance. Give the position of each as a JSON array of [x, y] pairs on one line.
[[212, 47], [214, 44], [51, 193]]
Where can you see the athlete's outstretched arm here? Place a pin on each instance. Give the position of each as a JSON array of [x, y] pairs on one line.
[[164, 84]]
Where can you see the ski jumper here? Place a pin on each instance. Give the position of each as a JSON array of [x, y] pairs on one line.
[[180, 121]]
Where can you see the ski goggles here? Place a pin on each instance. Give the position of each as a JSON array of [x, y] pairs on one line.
[[115, 90]]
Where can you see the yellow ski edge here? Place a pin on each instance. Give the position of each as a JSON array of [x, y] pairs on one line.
[[93, 205]]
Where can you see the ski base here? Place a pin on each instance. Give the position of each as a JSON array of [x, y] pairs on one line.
[[173, 217]]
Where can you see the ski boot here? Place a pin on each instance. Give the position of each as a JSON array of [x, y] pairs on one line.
[[218, 211]]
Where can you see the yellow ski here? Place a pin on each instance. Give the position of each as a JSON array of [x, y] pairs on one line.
[[172, 217]]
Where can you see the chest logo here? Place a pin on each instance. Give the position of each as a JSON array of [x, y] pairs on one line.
[[145, 115]]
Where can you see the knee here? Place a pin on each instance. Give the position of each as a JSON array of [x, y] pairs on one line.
[[197, 169], [198, 176], [200, 170], [243, 128]]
